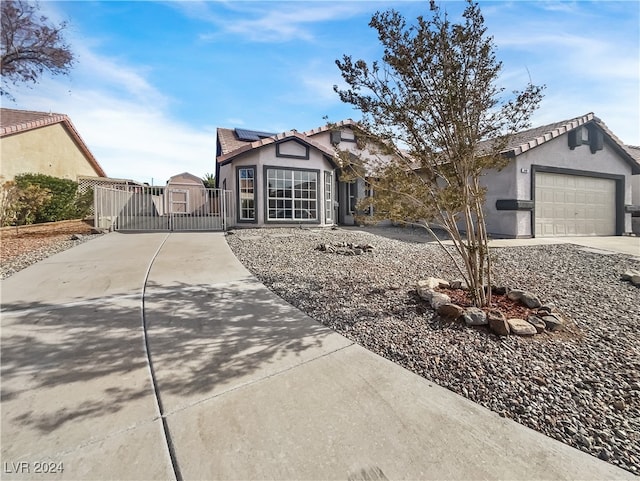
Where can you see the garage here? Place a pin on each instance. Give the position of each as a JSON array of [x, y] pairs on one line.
[[574, 205]]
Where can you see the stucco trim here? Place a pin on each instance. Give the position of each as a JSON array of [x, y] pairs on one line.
[[292, 156], [255, 194], [265, 201], [619, 197]]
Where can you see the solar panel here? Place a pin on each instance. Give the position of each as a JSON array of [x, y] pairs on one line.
[[251, 135]]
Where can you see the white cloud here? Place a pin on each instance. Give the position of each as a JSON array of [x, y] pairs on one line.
[[123, 119], [273, 21]]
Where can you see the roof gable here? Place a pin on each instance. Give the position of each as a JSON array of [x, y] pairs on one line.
[[13, 122], [227, 140], [526, 140]]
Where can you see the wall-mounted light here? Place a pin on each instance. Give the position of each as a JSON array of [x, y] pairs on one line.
[[524, 171]]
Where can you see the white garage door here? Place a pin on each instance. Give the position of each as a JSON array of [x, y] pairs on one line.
[[573, 205]]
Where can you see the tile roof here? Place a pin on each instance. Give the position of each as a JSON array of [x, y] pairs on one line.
[[14, 121], [228, 140], [526, 140], [634, 151], [324, 128]]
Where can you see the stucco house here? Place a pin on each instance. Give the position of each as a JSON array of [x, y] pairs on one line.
[[569, 178], [43, 143], [287, 178], [634, 151]]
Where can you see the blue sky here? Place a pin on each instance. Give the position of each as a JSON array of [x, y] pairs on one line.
[[153, 80]]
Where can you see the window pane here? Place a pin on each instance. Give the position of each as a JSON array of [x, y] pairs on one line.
[[246, 193], [291, 194]]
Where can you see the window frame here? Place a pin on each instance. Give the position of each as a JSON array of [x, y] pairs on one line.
[[253, 220], [292, 199], [328, 197]]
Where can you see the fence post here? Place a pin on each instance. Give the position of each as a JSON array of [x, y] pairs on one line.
[[96, 215], [224, 209]]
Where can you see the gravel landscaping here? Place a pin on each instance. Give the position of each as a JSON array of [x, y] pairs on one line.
[[580, 386], [19, 248]]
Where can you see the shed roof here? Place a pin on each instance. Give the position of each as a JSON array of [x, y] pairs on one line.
[[14, 121]]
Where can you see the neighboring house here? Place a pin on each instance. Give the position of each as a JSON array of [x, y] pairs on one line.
[[43, 143], [570, 178], [634, 151], [287, 178]]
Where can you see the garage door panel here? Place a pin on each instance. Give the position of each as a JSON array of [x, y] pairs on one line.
[[570, 205]]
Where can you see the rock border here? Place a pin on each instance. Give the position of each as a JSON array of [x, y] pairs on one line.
[[544, 319]]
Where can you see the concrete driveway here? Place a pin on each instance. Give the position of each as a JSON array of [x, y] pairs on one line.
[[158, 356]]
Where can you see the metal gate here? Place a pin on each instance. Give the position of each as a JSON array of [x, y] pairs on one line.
[[144, 208]]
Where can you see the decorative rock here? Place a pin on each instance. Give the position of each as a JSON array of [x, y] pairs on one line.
[[539, 380], [515, 294], [604, 455], [76, 237], [432, 283], [553, 322], [450, 311], [458, 284], [474, 316], [498, 323], [530, 300], [424, 291], [527, 298], [628, 274], [583, 440], [619, 405], [537, 323], [499, 290], [438, 299], [521, 327], [357, 251]]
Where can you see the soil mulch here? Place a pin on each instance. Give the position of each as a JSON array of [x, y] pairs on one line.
[[15, 241]]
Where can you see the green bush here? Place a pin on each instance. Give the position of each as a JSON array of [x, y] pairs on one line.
[[65, 203]]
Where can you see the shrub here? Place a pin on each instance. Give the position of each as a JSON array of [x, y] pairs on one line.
[[19, 205], [62, 203]]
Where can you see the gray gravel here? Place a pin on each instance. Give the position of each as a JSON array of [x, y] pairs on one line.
[[581, 387], [9, 267]]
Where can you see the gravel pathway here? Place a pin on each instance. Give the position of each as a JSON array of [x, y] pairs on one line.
[[581, 387]]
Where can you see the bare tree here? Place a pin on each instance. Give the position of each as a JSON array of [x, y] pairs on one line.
[[30, 45], [432, 104]]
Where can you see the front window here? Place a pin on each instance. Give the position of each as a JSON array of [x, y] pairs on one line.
[[292, 194], [368, 192], [351, 196], [246, 190], [328, 196]]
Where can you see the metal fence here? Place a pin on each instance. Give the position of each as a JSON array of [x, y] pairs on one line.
[[144, 208]]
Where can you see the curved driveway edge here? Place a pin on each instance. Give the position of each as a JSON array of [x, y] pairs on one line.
[[249, 387]]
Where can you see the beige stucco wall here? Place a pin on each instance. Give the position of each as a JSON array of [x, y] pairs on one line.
[[514, 182], [47, 150], [266, 156]]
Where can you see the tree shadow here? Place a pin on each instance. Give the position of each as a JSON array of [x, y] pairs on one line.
[[64, 365]]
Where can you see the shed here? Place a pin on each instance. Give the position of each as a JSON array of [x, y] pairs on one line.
[[186, 194]]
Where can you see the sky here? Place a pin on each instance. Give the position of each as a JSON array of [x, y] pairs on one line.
[[153, 80]]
